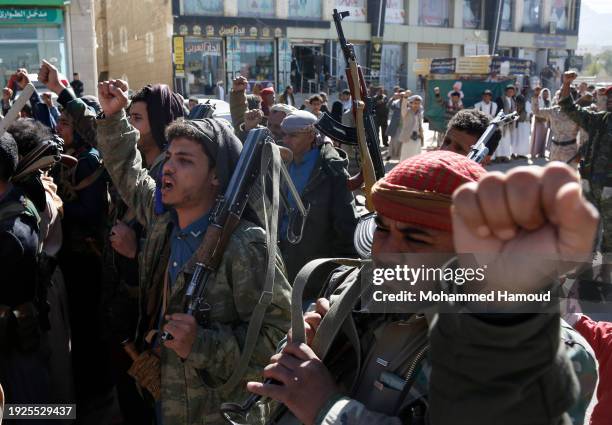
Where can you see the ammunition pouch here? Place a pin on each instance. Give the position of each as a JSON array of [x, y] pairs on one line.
[[146, 370]]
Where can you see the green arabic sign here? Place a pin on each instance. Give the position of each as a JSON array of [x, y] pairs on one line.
[[34, 15], [56, 3]]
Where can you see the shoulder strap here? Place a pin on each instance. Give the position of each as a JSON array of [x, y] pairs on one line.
[[90, 179], [270, 154], [302, 279], [17, 208]]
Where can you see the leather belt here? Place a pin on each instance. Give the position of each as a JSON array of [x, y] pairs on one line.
[[567, 143]]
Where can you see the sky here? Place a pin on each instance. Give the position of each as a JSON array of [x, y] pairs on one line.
[[602, 6]]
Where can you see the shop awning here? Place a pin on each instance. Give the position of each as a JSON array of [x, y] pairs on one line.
[[56, 3]]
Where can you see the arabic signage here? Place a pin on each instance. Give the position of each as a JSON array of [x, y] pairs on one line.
[[547, 41], [179, 56], [217, 30], [34, 15], [511, 66], [473, 65], [442, 66], [375, 56]]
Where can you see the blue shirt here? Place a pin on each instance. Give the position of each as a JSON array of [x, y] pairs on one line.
[[300, 174], [184, 243]]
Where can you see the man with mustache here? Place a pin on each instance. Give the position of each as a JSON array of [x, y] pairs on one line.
[[413, 368]]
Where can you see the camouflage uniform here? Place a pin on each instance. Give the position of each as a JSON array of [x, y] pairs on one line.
[[596, 164], [236, 289], [453, 371]]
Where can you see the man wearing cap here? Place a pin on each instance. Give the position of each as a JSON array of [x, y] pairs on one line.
[[596, 163], [254, 117], [486, 105], [318, 172], [506, 103], [267, 99], [23, 363], [200, 160], [449, 368]]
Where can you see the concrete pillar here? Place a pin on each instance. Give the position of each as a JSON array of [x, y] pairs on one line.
[[83, 44], [230, 8], [457, 50], [457, 14], [282, 9], [328, 9], [413, 12], [411, 54]]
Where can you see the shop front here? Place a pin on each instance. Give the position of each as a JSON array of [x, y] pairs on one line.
[[31, 31], [208, 53]]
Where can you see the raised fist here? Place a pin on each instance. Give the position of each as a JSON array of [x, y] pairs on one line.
[[113, 96], [239, 84], [49, 76], [569, 76], [513, 221], [252, 119]]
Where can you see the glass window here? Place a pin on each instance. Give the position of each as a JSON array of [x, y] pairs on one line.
[[361, 53], [357, 9], [472, 12], [203, 64], [532, 13], [434, 13], [506, 24], [202, 7], [395, 12], [559, 14], [305, 9], [26, 47], [257, 61], [392, 58], [258, 8]]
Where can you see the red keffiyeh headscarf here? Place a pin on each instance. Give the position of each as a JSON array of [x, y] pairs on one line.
[[419, 189]]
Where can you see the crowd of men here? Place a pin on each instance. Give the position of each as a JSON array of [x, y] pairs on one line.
[[105, 202]]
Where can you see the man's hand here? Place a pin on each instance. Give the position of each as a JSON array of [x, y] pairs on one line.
[[183, 329], [252, 119], [569, 77], [113, 96], [239, 84], [21, 78], [304, 383], [505, 219], [123, 240], [7, 93], [47, 99], [49, 76], [312, 320]]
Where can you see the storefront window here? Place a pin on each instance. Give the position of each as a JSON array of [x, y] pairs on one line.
[[203, 65], [258, 8], [305, 9], [392, 58], [202, 7], [395, 12], [506, 24], [472, 12], [257, 61], [356, 8], [532, 13], [560, 14], [434, 13], [26, 47]]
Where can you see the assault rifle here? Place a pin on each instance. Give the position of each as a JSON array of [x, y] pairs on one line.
[[365, 136], [481, 148], [226, 214]]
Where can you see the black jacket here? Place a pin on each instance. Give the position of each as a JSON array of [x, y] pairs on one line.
[[332, 218]]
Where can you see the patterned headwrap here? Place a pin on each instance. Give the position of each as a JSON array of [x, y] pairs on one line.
[[419, 189]]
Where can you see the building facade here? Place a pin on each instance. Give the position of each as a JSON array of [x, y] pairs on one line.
[[56, 30], [194, 44]]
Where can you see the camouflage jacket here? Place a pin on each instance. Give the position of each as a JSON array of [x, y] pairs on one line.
[[596, 164], [236, 289], [476, 372]]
